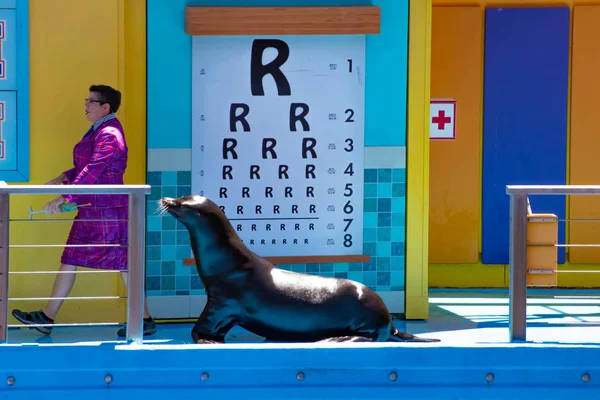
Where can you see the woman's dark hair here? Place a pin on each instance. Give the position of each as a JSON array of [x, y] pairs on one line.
[[108, 95]]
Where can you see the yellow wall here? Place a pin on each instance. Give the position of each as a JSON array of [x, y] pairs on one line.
[[455, 181], [581, 141], [417, 201], [73, 44], [585, 141]]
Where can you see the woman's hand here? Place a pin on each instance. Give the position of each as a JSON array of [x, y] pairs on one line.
[[53, 207], [59, 180]]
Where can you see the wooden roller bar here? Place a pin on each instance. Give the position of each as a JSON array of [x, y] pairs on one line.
[[303, 259], [216, 21]]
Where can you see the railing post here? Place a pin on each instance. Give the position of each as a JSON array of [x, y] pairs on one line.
[[518, 265], [136, 267], [4, 242]]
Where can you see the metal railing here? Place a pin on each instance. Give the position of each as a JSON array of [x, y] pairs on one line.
[[518, 247], [135, 254]]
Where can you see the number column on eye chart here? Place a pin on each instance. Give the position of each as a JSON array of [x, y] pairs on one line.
[[346, 189]]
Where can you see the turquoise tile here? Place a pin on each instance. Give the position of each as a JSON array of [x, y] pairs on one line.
[[384, 175], [383, 263], [182, 270], [167, 292], [399, 190], [155, 193], [399, 175], [326, 274], [152, 208], [355, 276], [168, 268], [182, 293], [154, 178], [384, 234], [399, 205], [168, 223], [397, 249], [371, 265], [398, 233], [370, 190], [341, 267], [370, 220], [326, 267], [384, 249], [397, 278], [369, 278], [182, 283], [183, 238], [197, 292], [384, 190], [183, 252], [384, 205], [370, 248], [370, 175], [184, 178], [154, 224], [397, 288], [152, 253], [398, 219], [370, 205], [312, 268], [167, 283], [169, 178], [370, 234], [384, 288], [169, 191], [196, 283], [384, 219], [168, 253], [383, 278], [343, 275], [153, 268], [153, 238], [153, 293], [168, 238], [355, 267], [184, 191], [397, 263], [299, 268]]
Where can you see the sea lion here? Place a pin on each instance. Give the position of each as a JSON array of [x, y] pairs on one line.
[[245, 289]]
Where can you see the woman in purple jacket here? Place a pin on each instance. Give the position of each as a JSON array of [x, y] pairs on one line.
[[100, 157]]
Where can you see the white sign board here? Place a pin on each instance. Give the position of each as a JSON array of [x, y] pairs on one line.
[[278, 139], [442, 119]]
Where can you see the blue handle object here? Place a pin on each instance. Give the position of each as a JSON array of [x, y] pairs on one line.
[[68, 207]]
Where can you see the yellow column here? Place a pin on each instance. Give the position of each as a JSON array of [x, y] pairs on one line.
[[417, 167]]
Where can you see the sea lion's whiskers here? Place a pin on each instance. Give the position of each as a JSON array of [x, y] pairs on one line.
[[161, 209]]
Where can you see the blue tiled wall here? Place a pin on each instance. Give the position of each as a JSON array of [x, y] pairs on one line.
[[384, 228]]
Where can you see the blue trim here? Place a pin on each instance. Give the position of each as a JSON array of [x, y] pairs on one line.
[[21, 174]]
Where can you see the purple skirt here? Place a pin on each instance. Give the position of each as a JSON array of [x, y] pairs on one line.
[[111, 230]]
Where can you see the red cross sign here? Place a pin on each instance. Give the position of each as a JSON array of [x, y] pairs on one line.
[[442, 124]]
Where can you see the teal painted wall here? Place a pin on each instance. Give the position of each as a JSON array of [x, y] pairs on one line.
[[169, 71], [169, 127]]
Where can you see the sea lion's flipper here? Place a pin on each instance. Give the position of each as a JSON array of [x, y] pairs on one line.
[[340, 339], [398, 336]]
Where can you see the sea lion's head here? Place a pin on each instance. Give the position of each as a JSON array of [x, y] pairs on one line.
[[190, 210], [202, 217]]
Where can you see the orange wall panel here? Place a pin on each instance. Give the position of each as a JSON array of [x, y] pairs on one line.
[[455, 185], [585, 137]]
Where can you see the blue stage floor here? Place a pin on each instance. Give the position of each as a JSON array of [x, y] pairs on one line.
[[457, 317], [474, 360]]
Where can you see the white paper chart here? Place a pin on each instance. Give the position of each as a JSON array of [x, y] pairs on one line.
[[278, 139]]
